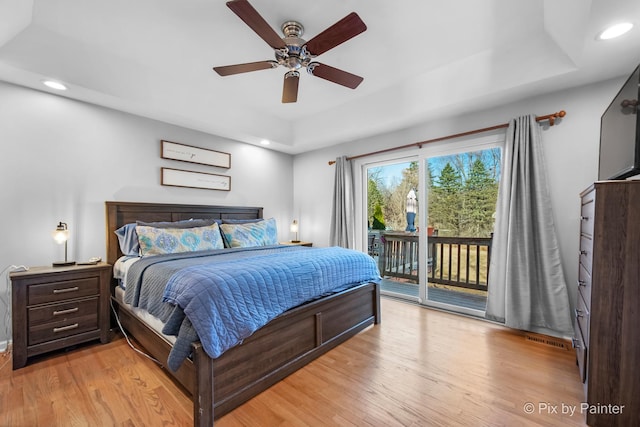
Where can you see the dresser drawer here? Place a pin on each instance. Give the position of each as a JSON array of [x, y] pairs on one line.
[[582, 317], [581, 350], [587, 214], [584, 285], [63, 328], [63, 290], [586, 252], [63, 311]]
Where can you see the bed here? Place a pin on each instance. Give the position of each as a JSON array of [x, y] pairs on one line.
[[282, 346]]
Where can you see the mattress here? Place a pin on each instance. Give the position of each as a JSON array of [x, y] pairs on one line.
[[143, 315]]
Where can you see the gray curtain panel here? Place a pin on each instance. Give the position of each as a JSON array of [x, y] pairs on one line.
[[342, 213], [527, 288]]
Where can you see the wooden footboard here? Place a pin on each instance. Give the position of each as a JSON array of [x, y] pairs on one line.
[[278, 349]]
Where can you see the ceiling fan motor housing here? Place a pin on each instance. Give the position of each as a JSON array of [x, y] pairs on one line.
[[295, 55]]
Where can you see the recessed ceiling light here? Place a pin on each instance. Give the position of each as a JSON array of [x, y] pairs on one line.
[[265, 142], [615, 31], [54, 85]]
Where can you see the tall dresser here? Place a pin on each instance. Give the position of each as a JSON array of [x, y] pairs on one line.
[[607, 317]]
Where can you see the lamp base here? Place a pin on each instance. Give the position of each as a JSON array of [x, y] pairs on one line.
[[295, 241], [63, 263]]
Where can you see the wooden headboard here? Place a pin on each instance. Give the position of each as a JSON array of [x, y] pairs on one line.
[[121, 213]]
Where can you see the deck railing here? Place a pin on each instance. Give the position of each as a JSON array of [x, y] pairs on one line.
[[455, 261]]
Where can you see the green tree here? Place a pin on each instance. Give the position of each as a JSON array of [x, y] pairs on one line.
[[375, 196], [445, 208], [378, 219], [479, 202]]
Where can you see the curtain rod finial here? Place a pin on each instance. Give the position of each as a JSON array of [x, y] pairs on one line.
[[559, 114]]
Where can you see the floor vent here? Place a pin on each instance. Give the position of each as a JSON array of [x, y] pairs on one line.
[[547, 340]]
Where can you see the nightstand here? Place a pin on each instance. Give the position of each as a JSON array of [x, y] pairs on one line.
[[297, 243], [56, 307]]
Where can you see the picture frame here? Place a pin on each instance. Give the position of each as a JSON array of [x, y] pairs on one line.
[[192, 179], [188, 153]]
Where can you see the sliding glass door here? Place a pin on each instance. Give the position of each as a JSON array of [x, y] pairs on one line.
[[460, 199], [392, 224], [429, 222]]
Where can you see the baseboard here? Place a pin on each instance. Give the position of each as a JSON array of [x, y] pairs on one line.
[[5, 346]]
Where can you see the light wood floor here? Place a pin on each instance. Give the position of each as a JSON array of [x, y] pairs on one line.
[[420, 367]]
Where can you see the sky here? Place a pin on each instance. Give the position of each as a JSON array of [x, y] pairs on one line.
[[393, 173]]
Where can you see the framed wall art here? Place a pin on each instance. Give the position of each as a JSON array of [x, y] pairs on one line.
[[187, 153], [192, 179]]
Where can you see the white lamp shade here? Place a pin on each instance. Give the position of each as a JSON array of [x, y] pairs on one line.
[[61, 233], [60, 236]]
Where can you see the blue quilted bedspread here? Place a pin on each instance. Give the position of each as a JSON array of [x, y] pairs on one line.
[[222, 297]]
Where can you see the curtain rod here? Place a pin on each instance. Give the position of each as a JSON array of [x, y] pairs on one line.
[[550, 117]]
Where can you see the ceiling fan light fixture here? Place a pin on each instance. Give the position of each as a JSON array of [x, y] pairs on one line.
[[614, 31]]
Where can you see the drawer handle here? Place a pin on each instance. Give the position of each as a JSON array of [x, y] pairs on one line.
[[65, 290], [575, 343], [67, 311], [578, 313], [582, 283], [65, 328]]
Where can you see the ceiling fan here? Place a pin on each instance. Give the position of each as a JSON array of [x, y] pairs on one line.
[[295, 53]]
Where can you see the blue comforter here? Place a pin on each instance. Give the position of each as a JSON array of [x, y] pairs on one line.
[[222, 297]]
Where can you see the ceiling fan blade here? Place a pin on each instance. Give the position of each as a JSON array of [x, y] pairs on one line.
[[252, 18], [343, 30], [290, 88], [228, 70], [334, 75]]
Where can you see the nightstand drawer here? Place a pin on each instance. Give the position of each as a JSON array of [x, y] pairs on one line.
[[63, 290], [63, 328], [62, 312]]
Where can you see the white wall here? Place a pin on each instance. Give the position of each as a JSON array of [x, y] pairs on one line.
[[571, 149], [62, 159]]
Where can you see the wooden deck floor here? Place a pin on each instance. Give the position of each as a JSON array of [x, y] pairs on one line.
[[438, 294]]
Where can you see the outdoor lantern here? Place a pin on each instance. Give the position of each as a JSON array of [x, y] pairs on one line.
[[412, 205]]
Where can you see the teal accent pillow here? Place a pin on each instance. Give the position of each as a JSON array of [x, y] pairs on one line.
[[157, 241], [261, 233]]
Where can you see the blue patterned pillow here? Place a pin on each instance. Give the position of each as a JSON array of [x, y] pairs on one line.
[[128, 238], [246, 235], [156, 241]]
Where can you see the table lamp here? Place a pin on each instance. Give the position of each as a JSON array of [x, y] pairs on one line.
[[294, 229], [61, 235]]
